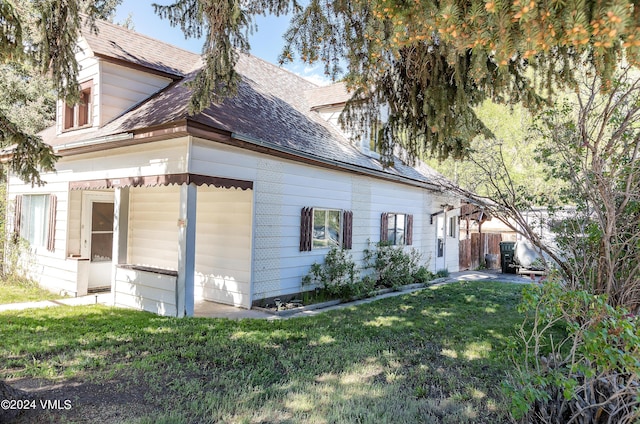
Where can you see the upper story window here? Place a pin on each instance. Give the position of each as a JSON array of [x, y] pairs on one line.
[[79, 115], [375, 136]]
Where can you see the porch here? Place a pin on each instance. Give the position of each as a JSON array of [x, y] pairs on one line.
[[171, 244]]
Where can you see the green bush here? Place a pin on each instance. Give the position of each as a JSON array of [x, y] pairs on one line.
[[422, 275], [338, 276], [393, 267], [442, 273], [577, 359]]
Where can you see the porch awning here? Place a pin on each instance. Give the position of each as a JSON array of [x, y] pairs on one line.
[[160, 180]]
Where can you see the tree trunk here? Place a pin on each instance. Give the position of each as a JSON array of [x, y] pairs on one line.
[[8, 393]]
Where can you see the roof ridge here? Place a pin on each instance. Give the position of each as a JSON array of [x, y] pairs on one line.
[[282, 68], [139, 34]]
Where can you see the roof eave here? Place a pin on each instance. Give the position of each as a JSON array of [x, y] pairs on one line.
[[189, 127], [127, 64], [111, 141], [250, 143]]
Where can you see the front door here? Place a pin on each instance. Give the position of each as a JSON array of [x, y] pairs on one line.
[[440, 243], [97, 237]]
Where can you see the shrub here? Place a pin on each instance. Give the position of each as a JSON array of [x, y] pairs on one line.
[[394, 267], [577, 359], [337, 275], [422, 275], [442, 273]]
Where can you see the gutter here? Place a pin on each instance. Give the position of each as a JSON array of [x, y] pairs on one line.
[[94, 141], [338, 164]]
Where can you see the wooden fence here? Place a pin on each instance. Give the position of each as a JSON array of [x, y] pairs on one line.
[[473, 251]]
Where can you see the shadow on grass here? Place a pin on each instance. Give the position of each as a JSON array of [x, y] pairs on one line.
[[431, 356]]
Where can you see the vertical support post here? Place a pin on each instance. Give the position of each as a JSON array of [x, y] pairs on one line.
[[120, 233], [186, 250]]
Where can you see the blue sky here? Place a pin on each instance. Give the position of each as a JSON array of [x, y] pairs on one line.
[[266, 43]]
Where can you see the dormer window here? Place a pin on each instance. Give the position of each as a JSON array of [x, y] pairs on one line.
[[79, 115], [375, 136]]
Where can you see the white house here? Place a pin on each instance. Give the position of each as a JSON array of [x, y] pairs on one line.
[[230, 205]]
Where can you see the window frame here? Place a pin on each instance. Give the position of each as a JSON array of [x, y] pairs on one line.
[[389, 224], [392, 229], [28, 220], [345, 231], [328, 244], [79, 115], [376, 134], [453, 226]]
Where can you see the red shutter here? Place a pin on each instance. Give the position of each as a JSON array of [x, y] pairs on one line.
[[384, 227], [409, 230], [347, 229], [51, 236], [306, 229], [17, 216]]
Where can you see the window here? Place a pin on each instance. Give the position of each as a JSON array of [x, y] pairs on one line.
[[35, 217], [324, 228], [376, 133], [396, 228], [101, 231], [79, 115], [453, 226]]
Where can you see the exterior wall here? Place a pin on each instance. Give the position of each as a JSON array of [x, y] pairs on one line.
[[153, 229], [157, 158], [256, 261], [115, 88], [58, 271], [145, 291], [282, 188], [121, 88], [223, 239], [88, 69], [47, 268], [223, 245]]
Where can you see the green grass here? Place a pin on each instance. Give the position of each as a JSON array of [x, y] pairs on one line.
[[436, 355], [20, 290]]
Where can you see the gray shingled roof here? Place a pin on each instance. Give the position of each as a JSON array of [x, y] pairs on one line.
[[333, 94], [117, 42], [273, 107]]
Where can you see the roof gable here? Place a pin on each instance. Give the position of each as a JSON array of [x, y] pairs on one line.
[[124, 45], [273, 108], [330, 95]]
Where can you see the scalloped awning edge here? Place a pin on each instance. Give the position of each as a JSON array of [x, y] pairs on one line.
[[160, 180]]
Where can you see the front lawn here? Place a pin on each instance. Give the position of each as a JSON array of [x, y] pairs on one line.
[[19, 290], [431, 356]]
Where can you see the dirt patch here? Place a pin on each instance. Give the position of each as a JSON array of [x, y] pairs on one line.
[[78, 401]]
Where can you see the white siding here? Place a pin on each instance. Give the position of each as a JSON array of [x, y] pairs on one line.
[[49, 269], [88, 69], [121, 88], [54, 270], [115, 88], [452, 246], [236, 262], [223, 245], [145, 291], [74, 222], [153, 226], [282, 188], [157, 158]]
